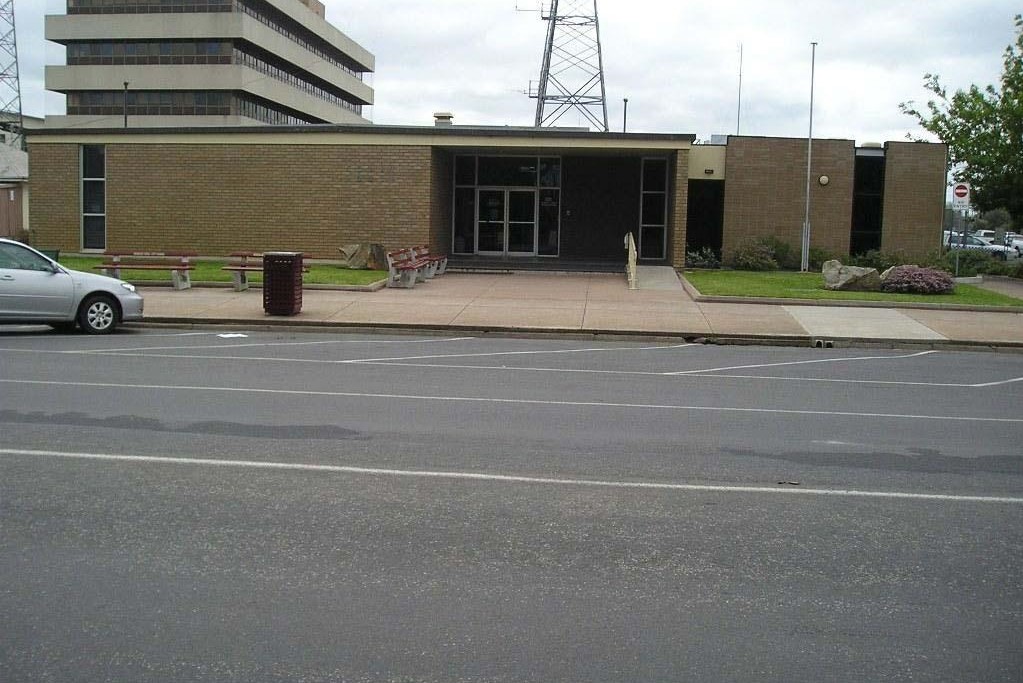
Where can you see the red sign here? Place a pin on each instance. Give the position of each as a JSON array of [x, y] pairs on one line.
[[961, 191]]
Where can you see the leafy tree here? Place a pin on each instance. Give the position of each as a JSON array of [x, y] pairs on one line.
[[995, 219], [983, 129]]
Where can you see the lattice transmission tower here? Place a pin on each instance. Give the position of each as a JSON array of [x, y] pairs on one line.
[[10, 87], [572, 74]]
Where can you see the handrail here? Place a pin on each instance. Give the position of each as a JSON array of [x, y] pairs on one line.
[[630, 265]]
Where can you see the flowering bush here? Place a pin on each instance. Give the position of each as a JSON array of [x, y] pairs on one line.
[[703, 258], [917, 280]]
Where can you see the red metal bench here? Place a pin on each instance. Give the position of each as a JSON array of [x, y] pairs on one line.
[[176, 262], [436, 264], [404, 269]]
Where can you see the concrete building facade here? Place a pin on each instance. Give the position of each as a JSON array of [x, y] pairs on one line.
[[499, 193], [186, 63]]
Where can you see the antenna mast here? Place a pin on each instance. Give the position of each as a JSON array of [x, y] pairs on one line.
[[10, 87], [572, 74]]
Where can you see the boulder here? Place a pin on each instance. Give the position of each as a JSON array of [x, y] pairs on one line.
[[885, 274], [850, 278], [363, 256]]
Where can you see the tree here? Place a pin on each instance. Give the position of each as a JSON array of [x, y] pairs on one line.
[[983, 129]]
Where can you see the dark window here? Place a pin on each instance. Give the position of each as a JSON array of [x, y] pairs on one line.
[[94, 220], [465, 170], [507, 171], [868, 202], [93, 161], [655, 175], [653, 208], [93, 200]]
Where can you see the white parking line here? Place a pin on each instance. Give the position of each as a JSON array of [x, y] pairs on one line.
[[516, 479], [514, 401], [801, 362], [99, 352], [999, 383]]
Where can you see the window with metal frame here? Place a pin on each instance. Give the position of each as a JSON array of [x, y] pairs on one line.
[[94, 200], [653, 210]]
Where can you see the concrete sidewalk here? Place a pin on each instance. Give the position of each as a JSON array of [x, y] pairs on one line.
[[591, 303]]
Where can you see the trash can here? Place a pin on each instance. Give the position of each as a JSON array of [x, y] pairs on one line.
[[282, 282]]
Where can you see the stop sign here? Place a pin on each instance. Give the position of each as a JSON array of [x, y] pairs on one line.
[[960, 195]]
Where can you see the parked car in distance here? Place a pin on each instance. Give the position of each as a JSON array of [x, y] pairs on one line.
[[35, 289], [956, 241]]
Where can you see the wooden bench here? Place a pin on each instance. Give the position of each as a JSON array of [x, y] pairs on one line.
[[244, 262], [404, 269], [436, 264], [177, 262]]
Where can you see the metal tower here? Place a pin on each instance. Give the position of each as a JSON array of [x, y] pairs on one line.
[[572, 75], [10, 87]]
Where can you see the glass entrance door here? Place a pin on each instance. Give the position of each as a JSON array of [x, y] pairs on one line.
[[490, 222], [506, 222]]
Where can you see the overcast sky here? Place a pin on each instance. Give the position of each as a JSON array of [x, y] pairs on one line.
[[677, 61]]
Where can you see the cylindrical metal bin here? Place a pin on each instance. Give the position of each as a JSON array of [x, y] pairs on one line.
[[282, 282]]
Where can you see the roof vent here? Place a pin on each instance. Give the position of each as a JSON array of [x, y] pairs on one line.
[[443, 118]]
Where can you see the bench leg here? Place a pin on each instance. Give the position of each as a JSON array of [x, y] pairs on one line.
[[409, 278], [240, 280], [442, 266], [180, 279]]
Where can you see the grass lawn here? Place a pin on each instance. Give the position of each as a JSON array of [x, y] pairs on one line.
[[209, 271], [789, 285]]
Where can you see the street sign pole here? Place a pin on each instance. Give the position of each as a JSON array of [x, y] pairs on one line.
[[960, 200]]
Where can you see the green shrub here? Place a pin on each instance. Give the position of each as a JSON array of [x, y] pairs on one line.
[[974, 262], [787, 256], [875, 258], [753, 255], [702, 258], [818, 256]]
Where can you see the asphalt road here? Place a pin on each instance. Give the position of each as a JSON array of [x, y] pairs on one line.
[[179, 506]]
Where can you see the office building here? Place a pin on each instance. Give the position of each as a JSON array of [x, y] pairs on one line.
[[188, 63]]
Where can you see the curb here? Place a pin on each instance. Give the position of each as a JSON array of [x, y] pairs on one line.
[[744, 339], [840, 303]]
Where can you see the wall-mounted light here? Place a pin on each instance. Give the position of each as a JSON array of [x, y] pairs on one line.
[[824, 180]]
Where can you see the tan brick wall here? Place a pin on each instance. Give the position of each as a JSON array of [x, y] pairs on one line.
[[914, 197], [55, 203], [679, 209], [765, 192], [215, 199]]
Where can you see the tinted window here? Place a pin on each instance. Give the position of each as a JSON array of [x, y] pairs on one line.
[[19, 258]]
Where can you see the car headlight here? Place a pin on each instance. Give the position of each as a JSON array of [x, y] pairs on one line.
[[127, 285]]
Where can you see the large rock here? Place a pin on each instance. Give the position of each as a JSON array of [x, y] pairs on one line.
[[850, 278], [362, 256]]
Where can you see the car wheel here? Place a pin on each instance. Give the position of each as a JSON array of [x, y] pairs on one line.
[[98, 315], [64, 326]]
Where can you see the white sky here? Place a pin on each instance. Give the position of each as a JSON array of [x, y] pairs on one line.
[[677, 61]]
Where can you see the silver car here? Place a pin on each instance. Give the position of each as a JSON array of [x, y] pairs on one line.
[[35, 289]]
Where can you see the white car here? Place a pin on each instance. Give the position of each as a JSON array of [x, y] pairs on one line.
[[35, 289], [956, 241]]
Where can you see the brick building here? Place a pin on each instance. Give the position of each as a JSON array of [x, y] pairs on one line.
[[507, 193]]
